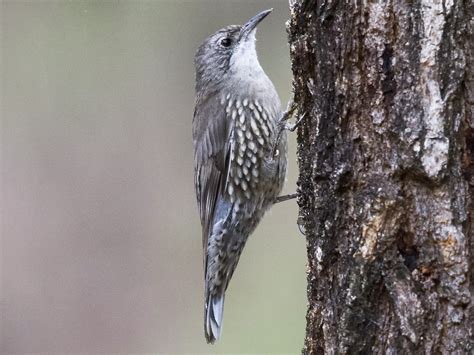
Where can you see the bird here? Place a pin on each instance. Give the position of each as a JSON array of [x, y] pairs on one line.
[[240, 154]]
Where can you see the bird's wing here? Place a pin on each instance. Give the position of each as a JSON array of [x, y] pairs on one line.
[[211, 131]]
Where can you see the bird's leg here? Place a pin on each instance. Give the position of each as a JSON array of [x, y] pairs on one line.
[[285, 198], [290, 110], [283, 124]]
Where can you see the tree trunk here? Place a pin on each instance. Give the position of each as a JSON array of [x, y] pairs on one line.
[[385, 153]]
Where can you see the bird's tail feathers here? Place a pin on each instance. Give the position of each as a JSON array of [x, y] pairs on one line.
[[214, 310]]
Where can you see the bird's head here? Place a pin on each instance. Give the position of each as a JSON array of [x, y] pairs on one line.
[[228, 55]]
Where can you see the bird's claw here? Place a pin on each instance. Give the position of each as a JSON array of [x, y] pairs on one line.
[[283, 124], [290, 110], [293, 126]]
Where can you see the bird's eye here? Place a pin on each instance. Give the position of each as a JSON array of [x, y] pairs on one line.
[[226, 42]]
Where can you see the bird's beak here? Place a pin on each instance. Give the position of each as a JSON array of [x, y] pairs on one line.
[[252, 24]]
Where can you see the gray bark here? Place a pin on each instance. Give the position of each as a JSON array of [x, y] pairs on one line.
[[386, 154]]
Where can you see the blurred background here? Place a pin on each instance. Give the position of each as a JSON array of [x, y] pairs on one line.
[[101, 241]]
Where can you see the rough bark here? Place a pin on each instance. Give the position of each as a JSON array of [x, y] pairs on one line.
[[385, 154]]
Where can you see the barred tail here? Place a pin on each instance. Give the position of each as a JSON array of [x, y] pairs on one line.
[[213, 312]]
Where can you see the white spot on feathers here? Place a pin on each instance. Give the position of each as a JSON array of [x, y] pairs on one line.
[[252, 146], [254, 126]]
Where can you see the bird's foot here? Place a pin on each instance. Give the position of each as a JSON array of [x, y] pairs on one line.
[[284, 124], [288, 113], [293, 126], [285, 198]]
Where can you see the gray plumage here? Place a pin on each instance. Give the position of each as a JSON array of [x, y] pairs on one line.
[[237, 178]]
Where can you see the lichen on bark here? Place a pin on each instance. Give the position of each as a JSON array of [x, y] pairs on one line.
[[384, 154]]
